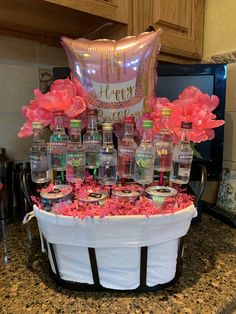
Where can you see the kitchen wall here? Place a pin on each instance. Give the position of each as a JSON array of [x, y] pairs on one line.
[[20, 63], [220, 47], [219, 27]]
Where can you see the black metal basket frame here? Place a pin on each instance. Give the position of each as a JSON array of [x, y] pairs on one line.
[[96, 286]]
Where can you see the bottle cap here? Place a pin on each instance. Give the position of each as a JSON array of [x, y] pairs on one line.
[[92, 112], [147, 124], [107, 126], [37, 125], [166, 112], [129, 119], [186, 125], [74, 123]]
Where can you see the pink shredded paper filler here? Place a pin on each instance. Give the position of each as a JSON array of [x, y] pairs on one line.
[[113, 207]]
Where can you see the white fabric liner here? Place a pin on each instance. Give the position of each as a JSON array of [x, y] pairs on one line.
[[117, 241]]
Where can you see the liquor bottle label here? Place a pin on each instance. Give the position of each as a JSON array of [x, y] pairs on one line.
[[187, 157], [76, 162], [59, 144], [184, 172], [144, 160], [126, 150], [38, 162]]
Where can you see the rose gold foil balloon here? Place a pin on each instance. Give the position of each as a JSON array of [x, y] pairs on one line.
[[119, 76]]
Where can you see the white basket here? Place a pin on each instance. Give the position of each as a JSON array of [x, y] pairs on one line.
[[117, 252]]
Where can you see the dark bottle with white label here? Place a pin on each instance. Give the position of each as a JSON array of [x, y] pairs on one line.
[[182, 156]]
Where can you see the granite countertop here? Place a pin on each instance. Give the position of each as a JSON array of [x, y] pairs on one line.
[[207, 284]]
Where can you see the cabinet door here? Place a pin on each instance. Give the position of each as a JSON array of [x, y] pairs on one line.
[[115, 10], [182, 24], [180, 20]]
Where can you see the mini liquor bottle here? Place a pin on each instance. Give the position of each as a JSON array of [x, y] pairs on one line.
[[126, 150], [92, 143], [40, 168], [75, 156], [58, 145], [145, 156], [163, 149], [107, 158], [182, 156]]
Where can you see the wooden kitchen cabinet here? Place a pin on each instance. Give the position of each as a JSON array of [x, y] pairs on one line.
[[47, 20], [182, 22], [115, 10]]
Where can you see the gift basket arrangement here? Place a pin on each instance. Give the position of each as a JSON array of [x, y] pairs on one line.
[[110, 206]]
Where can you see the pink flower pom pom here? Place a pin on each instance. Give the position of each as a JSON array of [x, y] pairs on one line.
[[78, 105], [66, 85], [33, 112], [25, 130], [196, 107], [191, 106], [54, 100], [67, 96]]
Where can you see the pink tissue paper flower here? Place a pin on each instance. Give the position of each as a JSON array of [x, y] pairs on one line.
[[191, 106], [65, 95]]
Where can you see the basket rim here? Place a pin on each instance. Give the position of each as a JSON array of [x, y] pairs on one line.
[[115, 217]]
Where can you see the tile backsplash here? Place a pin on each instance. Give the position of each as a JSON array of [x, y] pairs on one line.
[[230, 119], [229, 157], [20, 61]]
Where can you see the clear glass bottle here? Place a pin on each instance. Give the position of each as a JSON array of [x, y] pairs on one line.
[[126, 150], [107, 171], [163, 149], [40, 169], [145, 156], [75, 156], [49, 160], [92, 141], [182, 156], [58, 144]]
